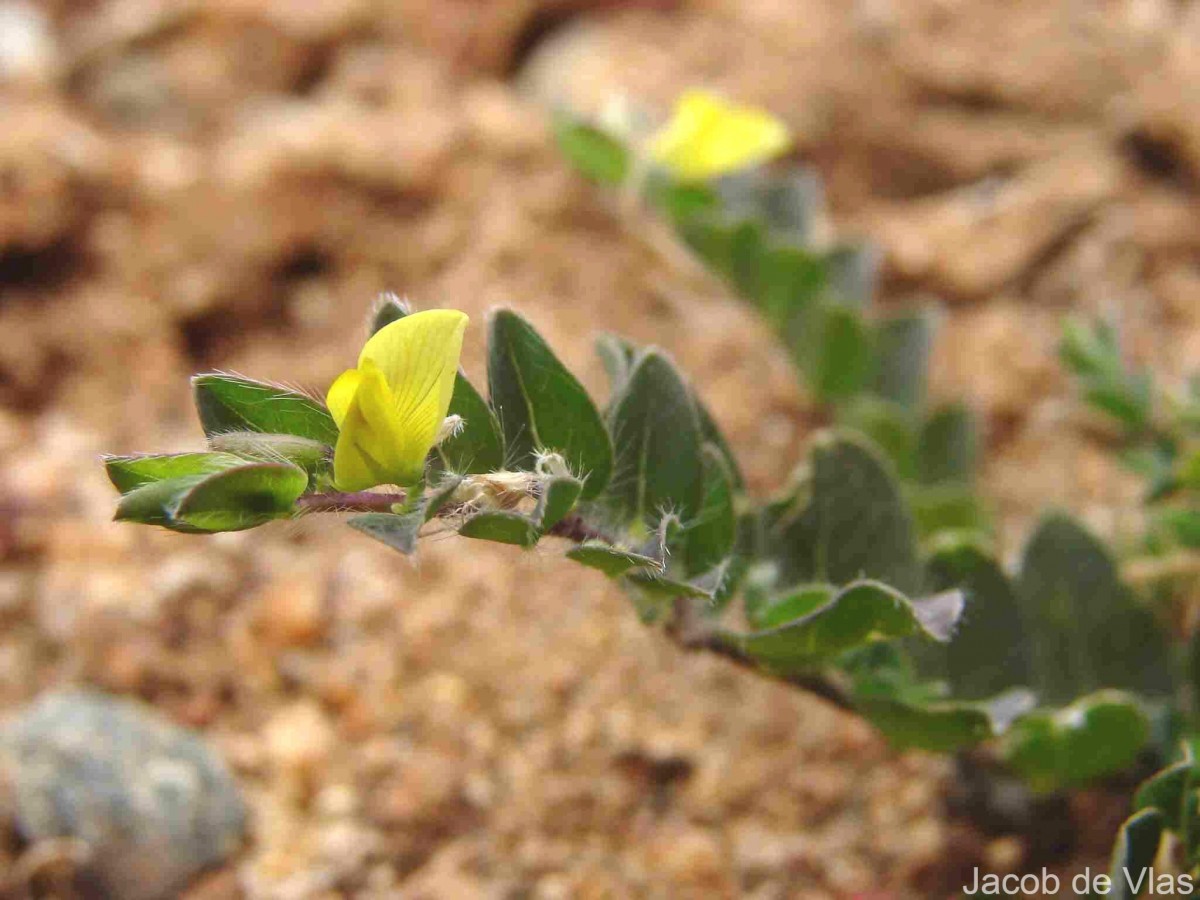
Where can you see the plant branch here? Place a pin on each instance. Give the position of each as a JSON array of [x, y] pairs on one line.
[[691, 631], [356, 501], [688, 629]]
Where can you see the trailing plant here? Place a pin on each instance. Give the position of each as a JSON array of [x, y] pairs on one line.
[[1156, 431], [824, 586], [759, 230]]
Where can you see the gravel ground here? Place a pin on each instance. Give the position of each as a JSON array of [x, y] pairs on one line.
[[189, 185]]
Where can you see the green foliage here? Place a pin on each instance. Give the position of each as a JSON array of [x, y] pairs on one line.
[[232, 403], [846, 520], [542, 406], [846, 619], [592, 151], [1096, 735], [231, 499], [1085, 628], [656, 431]]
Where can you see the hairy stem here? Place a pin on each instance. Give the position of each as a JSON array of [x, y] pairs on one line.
[[688, 628], [691, 631], [357, 501]]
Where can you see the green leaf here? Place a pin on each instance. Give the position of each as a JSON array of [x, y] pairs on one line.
[[710, 536], [902, 346], [479, 447], [559, 496], [232, 403], [656, 433], [887, 424], [155, 502], [854, 524], [943, 727], [398, 531], [1134, 855], [442, 494], [388, 309], [130, 472], [1095, 736], [236, 499], [502, 527], [593, 152], [836, 352], [1166, 791], [990, 652], [795, 604], [1086, 629], [663, 587], [542, 406], [947, 508], [612, 561], [856, 615], [617, 355], [312, 456], [789, 283], [948, 446]]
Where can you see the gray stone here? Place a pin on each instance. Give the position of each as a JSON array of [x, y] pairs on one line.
[[152, 801]]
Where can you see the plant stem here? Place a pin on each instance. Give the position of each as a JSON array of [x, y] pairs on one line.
[[691, 631], [688, 629], [357, 501]]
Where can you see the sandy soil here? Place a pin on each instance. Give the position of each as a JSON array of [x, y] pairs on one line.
[[228, 184]]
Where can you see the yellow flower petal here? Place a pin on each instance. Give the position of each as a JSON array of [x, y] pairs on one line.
[[370, 444], [341, 393], [390, 412], [707, 137]]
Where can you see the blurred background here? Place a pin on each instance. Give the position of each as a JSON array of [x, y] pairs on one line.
[[191, 185]]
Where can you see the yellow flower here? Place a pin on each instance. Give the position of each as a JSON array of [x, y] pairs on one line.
[[390, 409], [707, 137]]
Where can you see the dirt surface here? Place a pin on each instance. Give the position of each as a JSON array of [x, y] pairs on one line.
[[189, 185]]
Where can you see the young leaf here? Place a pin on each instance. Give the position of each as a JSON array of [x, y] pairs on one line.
[[232, 403], [312, 456], [1086, 629], [502, 527], [593, 152], [617, 356], [236, 499], [541, 405], [559, 496], [656, 433], [388, 309], [130, 472]]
